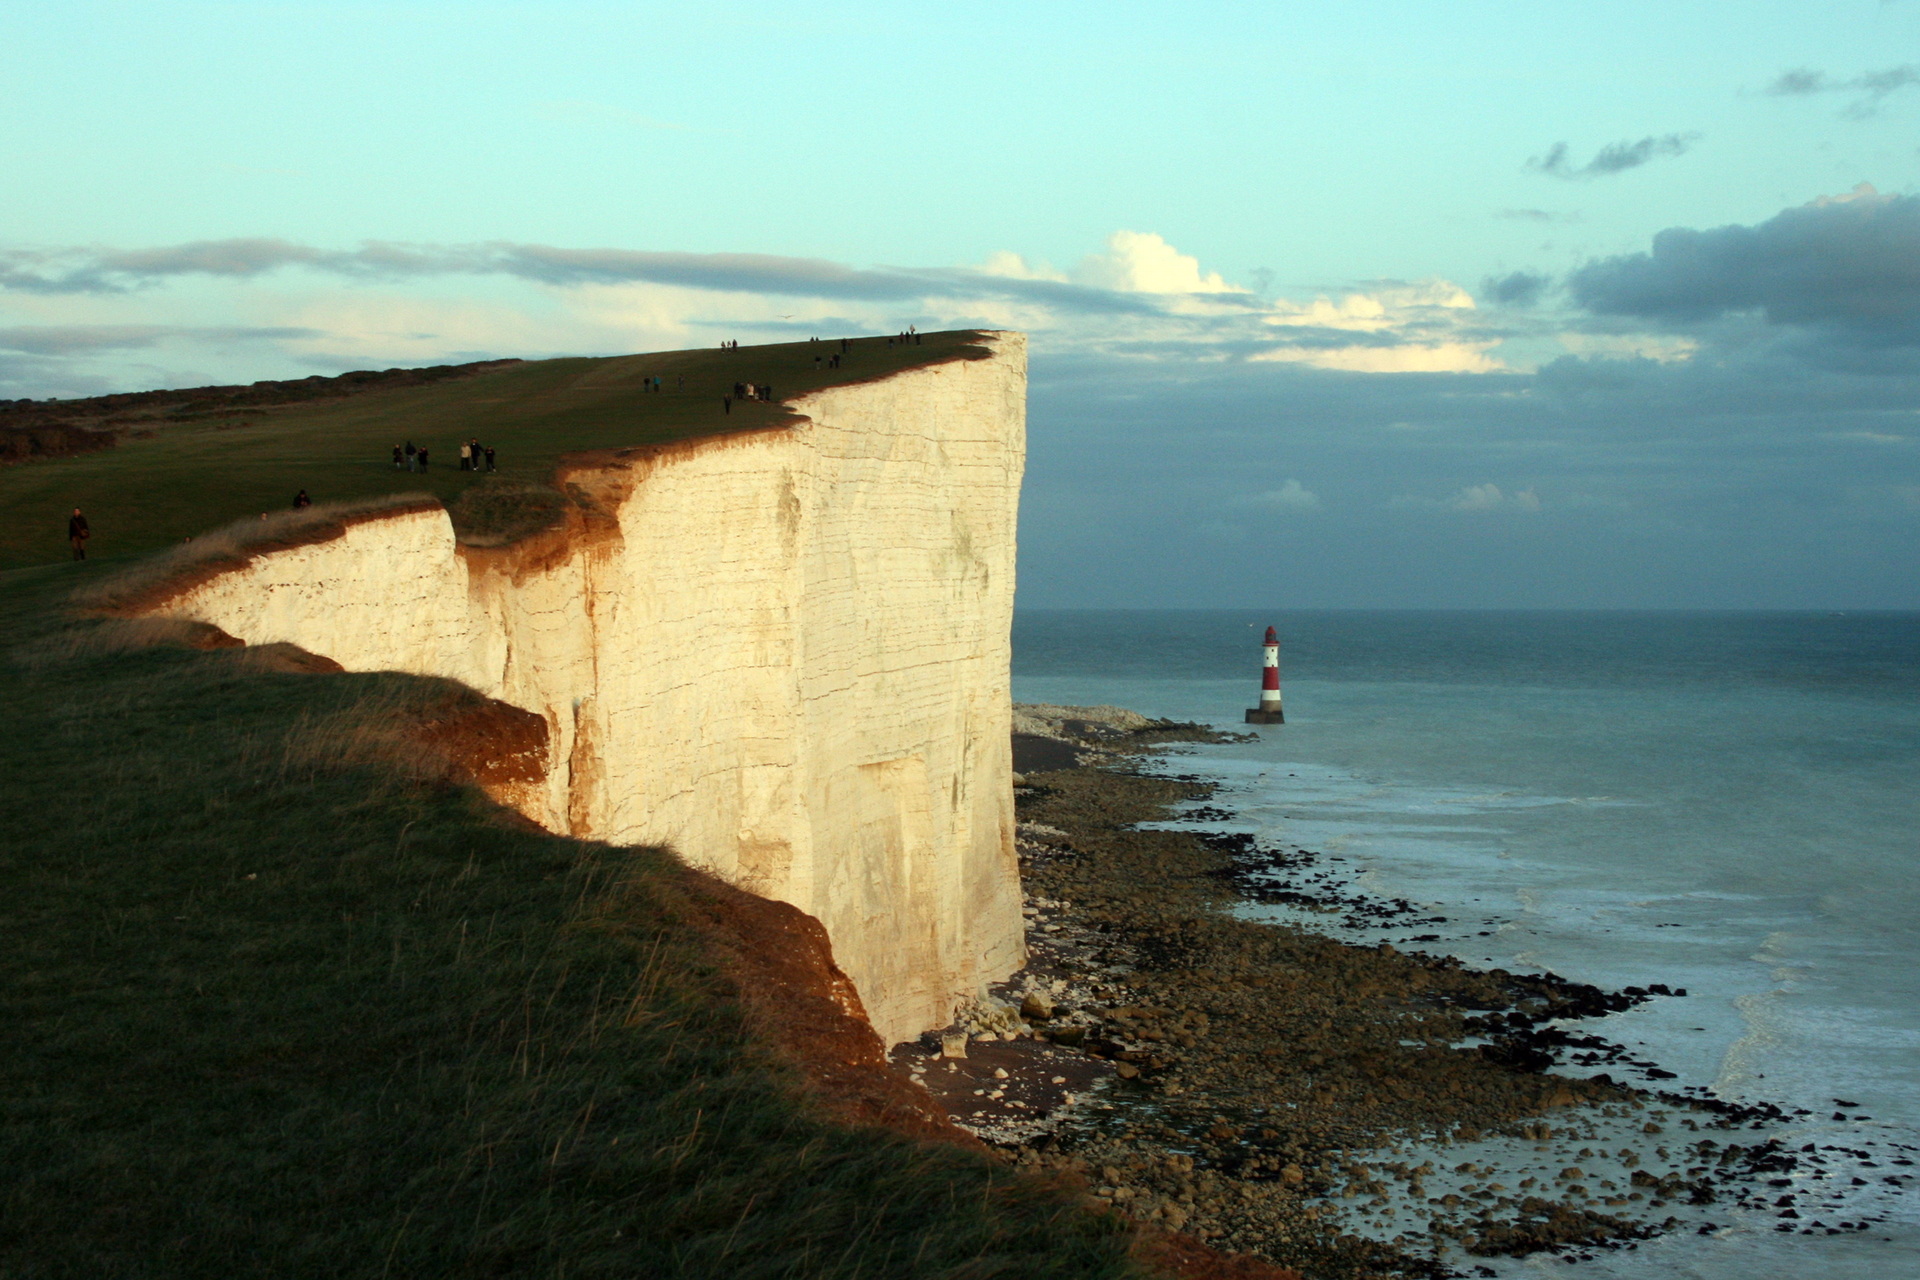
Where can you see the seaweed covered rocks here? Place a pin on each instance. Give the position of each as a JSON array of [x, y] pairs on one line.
[[1349, 1110]]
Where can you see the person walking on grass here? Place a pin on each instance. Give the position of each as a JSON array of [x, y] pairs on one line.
[[412, 455], [466, 456], [489, 457], [399, 461], [78, 533], [421, 457]]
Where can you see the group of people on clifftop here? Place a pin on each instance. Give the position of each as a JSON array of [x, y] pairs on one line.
[[746, 391], [474, 456]]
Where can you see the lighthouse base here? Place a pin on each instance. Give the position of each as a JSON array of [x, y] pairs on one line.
[[1260, 715]]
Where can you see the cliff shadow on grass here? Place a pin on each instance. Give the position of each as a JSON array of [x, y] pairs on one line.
[[285, 996]]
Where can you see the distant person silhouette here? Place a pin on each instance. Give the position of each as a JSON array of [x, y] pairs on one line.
[[421, 457], [399, 460], [78, 533], [301, 501], [413, 455], [489, 457]]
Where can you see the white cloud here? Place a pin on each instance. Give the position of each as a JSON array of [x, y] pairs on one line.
[[1139, 297], [1291, 496], [1414, 328], [1142, 262], [1488, 497], [1480, 497], [1439, 357], [1661, 348], [1007, 265], [1375, 310], [1474, 499], [1866, 437], [1862, 191]]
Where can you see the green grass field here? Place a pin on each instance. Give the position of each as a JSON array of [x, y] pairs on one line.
[[278, 1000], [205, 470]]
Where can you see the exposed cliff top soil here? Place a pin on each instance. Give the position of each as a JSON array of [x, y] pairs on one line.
[[198, 459]]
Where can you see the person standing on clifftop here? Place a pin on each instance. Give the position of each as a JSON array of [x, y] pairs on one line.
[[489, 457], [412, 454], [399, 461], [421, 457], [78, 533]]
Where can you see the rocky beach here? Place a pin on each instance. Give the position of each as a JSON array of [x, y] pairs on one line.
[[1353, 1111]]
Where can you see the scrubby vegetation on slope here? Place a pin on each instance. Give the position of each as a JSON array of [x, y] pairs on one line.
[[283, 995], [283, 998]]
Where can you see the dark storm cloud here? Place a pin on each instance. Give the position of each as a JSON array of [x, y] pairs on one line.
[[1517, 289], [1742, 482], [85, 271], [1870, 88], [1849, 266], [117, 271], [78, 340], [1616, 157]]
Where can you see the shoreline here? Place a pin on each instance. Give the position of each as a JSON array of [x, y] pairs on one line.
[[1275, 1091]]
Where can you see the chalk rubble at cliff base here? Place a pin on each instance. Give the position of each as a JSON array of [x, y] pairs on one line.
[[1273, 1090]]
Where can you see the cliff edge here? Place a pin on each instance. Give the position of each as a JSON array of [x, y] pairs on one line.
[[783, 652]]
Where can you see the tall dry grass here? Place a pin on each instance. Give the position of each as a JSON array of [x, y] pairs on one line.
[[127, 590]]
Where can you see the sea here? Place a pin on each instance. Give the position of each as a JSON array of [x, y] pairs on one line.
[[1727, 803]]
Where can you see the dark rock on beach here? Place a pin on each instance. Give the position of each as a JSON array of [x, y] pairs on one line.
[[1269, 1088]]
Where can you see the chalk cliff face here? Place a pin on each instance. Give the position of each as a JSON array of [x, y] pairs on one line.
[[784, 653]]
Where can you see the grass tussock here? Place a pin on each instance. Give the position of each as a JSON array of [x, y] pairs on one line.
[[497, 513], [278, 1003], [132, 586]]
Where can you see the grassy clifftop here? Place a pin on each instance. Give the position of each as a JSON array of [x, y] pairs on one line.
[[195, 465], [282, 998], [282, 995]]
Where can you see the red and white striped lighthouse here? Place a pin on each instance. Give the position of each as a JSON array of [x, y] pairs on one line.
[[1268, 712]]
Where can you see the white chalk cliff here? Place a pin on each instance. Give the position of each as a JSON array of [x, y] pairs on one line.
[[785, 655]]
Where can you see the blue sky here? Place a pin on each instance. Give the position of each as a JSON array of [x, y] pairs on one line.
[[1372, 304]]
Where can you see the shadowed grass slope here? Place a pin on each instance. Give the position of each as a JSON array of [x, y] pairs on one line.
[[275, 1005], [206, 469]]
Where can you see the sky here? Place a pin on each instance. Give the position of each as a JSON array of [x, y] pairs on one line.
[[1451, 305]]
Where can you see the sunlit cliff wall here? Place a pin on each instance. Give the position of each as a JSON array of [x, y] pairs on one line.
[[784, 653]]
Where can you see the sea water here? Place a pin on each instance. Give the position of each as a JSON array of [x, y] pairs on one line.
[[1728, 803]]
